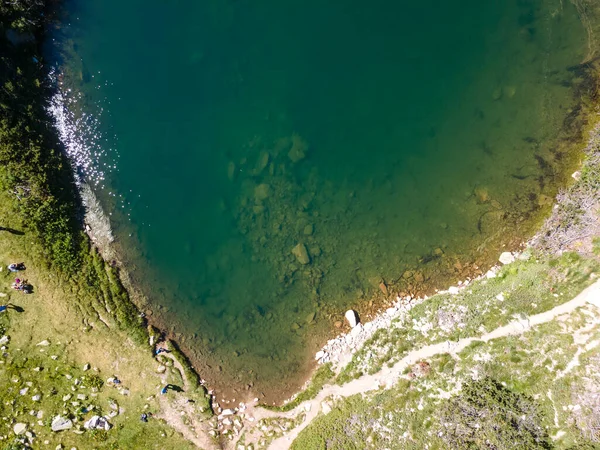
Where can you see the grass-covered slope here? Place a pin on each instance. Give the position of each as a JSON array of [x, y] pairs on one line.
[[60, 344]]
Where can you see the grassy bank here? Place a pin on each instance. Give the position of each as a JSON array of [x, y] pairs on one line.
[[79, 327]]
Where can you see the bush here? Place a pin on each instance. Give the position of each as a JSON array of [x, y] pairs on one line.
[[486, 415]]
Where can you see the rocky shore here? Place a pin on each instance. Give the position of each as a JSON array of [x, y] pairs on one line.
[[339, 351]]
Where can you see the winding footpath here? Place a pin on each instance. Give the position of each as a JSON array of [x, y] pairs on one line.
[[388, 376]]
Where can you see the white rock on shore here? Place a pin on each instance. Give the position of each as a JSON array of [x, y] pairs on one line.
[[352, 317], [340, 350], [506, 258]]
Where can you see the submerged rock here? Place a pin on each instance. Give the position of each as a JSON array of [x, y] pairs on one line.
[[482, 195], [261, 164], [383, 288], [262, 192], [298, 151], [315, 250], [352, 317], [301, 254]]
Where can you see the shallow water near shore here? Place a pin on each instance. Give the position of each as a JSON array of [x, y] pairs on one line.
[[266, 166]]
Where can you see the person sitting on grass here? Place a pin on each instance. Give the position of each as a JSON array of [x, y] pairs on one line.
[[23, 286], [15, 267]]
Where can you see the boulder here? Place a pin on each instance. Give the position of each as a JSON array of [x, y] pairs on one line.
[[263, 161], [19, 428], [481, 194], [298, 151], [262, 192], [490, 273], [352, 317], [453, 290], [301, 254], [97, 422], [61, 423], [506, 258]]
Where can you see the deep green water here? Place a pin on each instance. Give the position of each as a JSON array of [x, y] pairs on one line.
[[423, 137]]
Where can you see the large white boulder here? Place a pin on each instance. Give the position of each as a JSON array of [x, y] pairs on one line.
[[506, 258], [352, 317]]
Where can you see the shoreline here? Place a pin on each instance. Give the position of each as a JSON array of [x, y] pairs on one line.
[[98, 228], [339, 349]]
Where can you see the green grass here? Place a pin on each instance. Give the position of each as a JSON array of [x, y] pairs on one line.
[[506, 404], [322, 376], [59, 382], [40, 220], [528, 287], [195, 390]]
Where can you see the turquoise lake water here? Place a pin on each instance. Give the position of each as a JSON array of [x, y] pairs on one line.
[[396, 142]]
